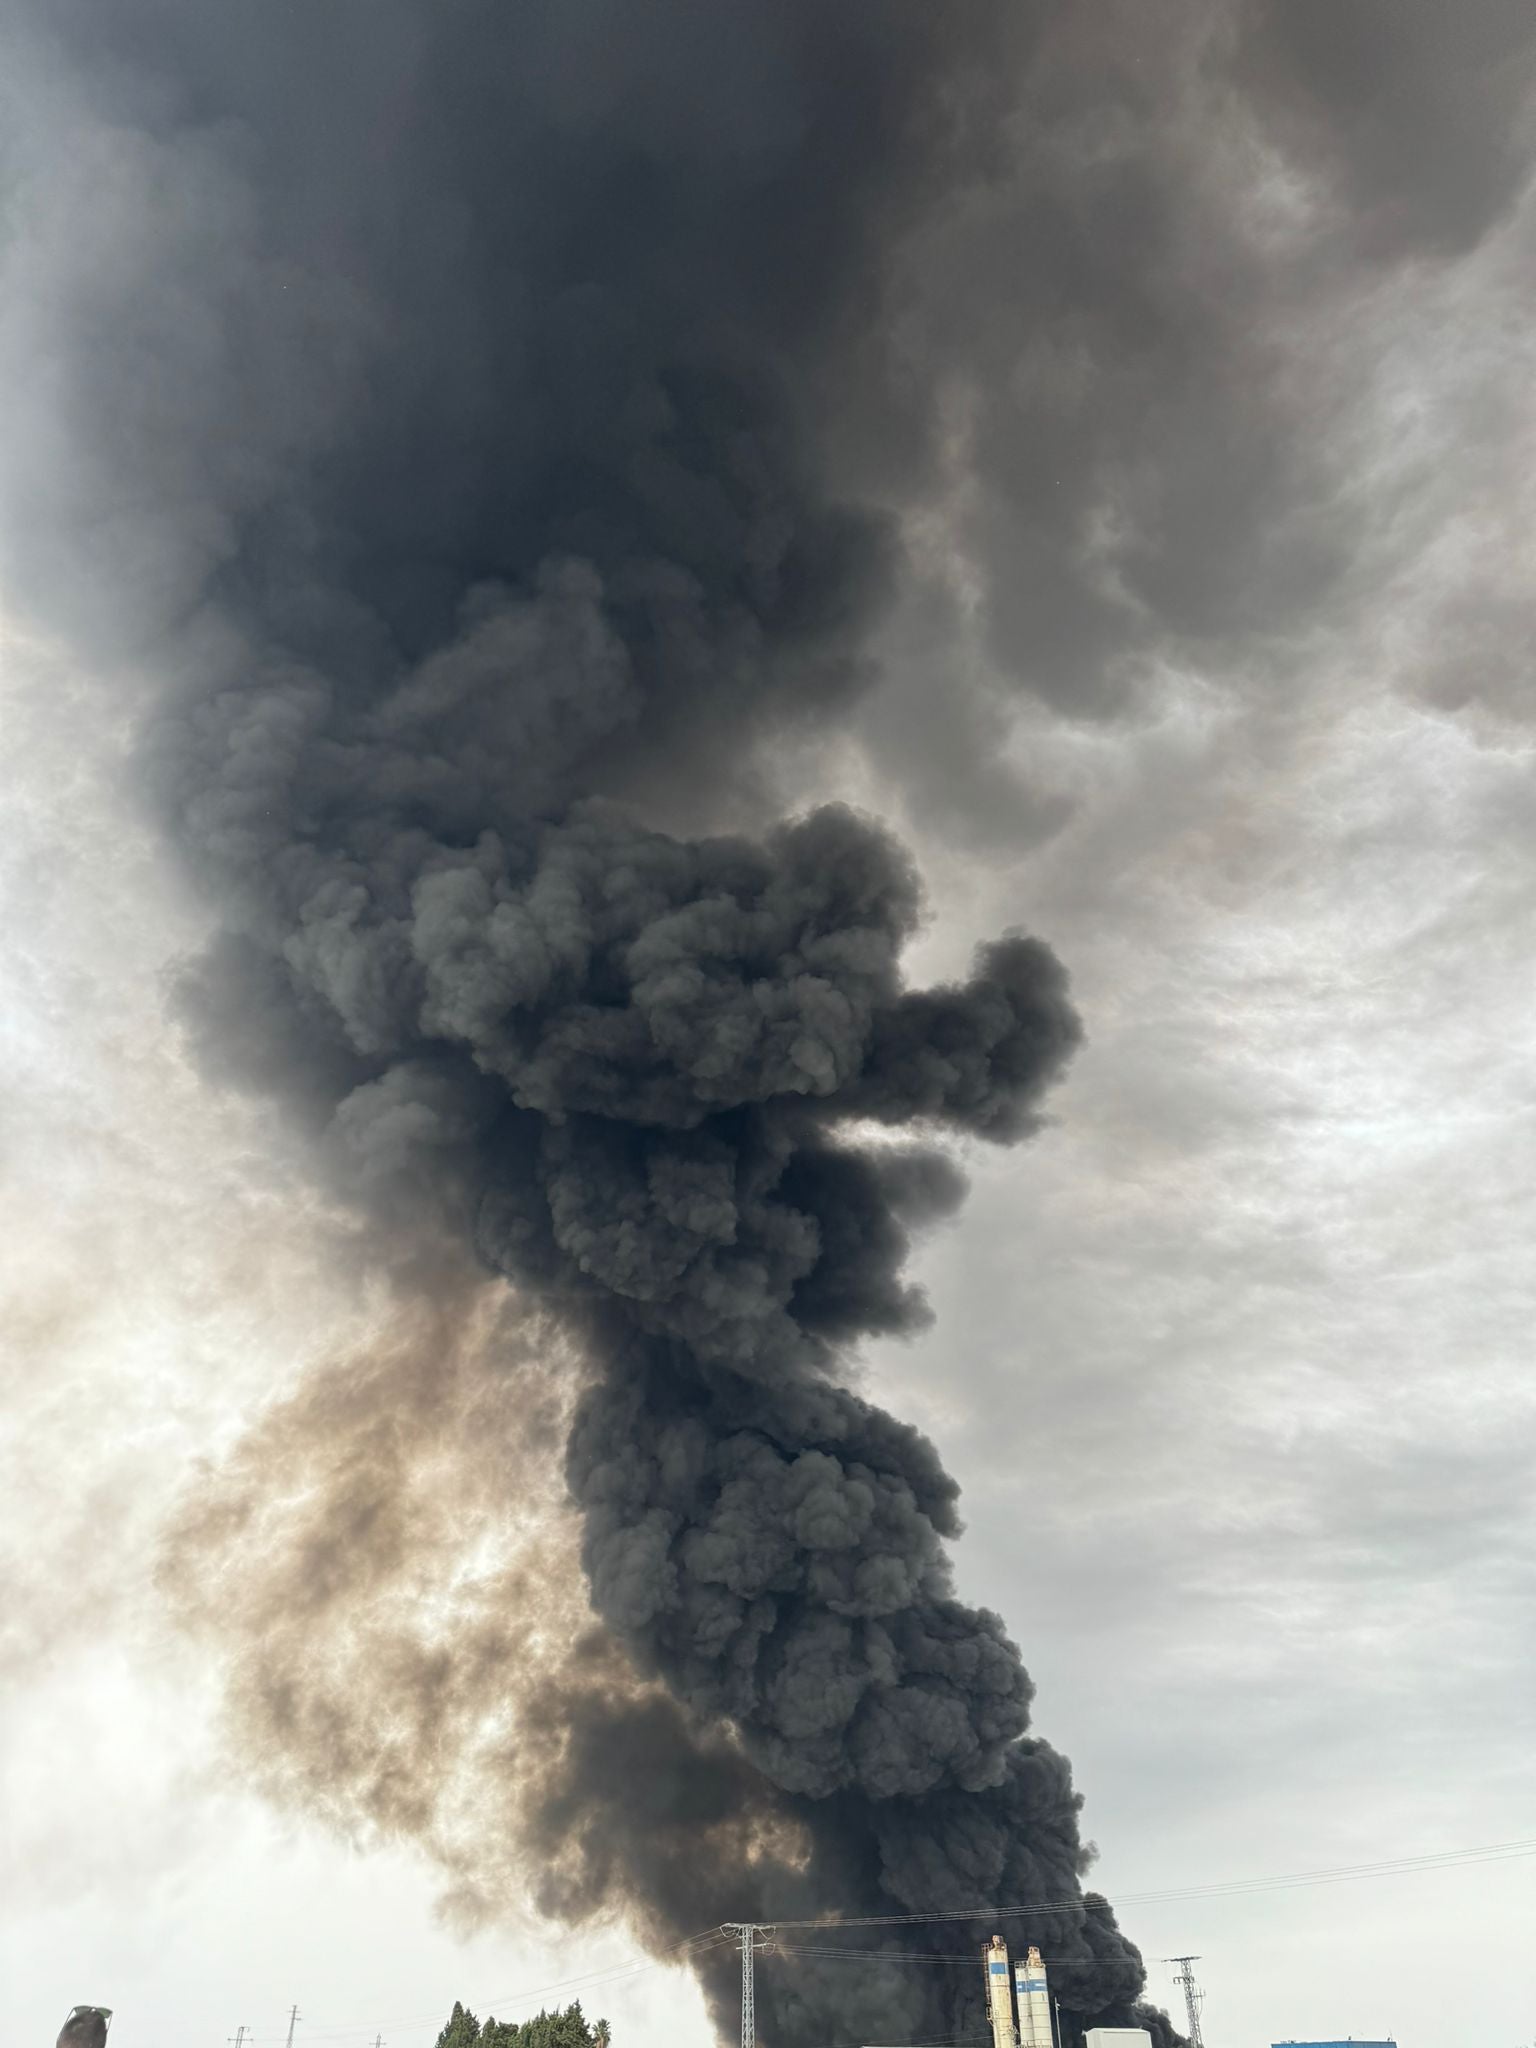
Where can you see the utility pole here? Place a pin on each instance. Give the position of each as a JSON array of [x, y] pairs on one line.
[[1194, 1997], [239, 2037], [293, 2020], [751, 1934]]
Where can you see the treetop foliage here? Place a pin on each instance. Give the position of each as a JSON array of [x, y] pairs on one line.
[[568, 2029]]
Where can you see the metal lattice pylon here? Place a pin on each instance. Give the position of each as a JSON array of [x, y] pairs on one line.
[[750, 1934], [1194, 1997]]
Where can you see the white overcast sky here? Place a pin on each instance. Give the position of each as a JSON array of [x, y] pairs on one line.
[[1232, 1362]]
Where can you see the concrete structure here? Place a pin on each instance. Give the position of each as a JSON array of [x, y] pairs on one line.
[[994, 1960], [1117, 2037], [1034, 2002]]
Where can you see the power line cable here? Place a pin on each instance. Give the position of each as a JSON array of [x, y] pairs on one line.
[[693, 1944], [965, 1958], [1490, 1852]]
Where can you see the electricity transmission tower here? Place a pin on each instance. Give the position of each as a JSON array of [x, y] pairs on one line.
[[1194, 1997], [753, 1936], [293, 2020], [238, 2039]]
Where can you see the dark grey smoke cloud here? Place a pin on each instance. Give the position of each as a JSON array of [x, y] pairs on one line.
[[500, 500], [461, 408]]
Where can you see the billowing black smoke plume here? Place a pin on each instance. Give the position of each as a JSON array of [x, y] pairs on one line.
[[508, 523]]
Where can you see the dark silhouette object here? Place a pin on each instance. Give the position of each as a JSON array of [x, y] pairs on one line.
[[86, 2027]]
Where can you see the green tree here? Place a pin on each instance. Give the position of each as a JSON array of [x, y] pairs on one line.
[[462, 2031], [568, 2029]]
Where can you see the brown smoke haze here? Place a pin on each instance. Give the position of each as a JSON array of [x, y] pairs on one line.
[[385, 1600], [409, 1648]]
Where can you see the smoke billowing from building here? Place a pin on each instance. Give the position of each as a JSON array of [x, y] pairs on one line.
[[490, 426], [491, 515], [578, 544]]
